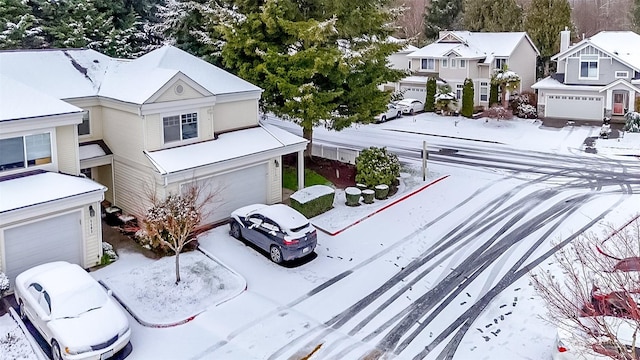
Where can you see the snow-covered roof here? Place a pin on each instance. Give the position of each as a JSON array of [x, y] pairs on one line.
[[88, 151], [73, 73], [227, 146], [43, 187], [550, 83], [28, 103], [474, 45], [623, 45], [406, 49]]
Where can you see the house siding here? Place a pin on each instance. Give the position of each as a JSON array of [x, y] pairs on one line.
[[275, 181], [523, 62], [132, 183], [103, 175], [92, 228], [235, 115], [607, 68], [171, 94], [67, 150], [122, 134]]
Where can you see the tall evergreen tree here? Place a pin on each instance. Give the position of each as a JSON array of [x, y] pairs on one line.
[[430, 102], [442, 15], [19, 28], [493, 94], [492, 15], [320, 62], [543, 22], [467, 98]]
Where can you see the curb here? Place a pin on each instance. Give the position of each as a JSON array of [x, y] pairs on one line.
[[37, 350], [383, 208], [612, 235]]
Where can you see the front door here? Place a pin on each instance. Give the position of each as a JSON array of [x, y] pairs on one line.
[[618, 104]]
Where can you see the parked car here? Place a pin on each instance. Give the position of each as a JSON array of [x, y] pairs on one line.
[[278, 229], [575, 344], [410, 106], [72, 312], [392, 112]]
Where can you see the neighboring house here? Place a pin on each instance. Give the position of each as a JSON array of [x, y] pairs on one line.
[[153, 125], [399, 60], [597, 77], [458, 55], [48, 211]]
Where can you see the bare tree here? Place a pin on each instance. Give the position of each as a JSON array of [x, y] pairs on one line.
[[411, 23], [593, 16], [172, 221], [596, 290]]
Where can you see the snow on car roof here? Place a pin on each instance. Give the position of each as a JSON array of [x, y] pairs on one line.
[[285, 216]]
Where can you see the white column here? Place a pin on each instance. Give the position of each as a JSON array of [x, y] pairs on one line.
[[300, 169], [609, 100], [632, 101]]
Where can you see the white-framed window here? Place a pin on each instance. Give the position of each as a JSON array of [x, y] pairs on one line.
[[25, 151], [500, 63], [428, 64], [454, 63], [84, 128], [444, 63], [588, 67], [459, 90], [622, 74], [180, 127], [463, 63], [484, 91]]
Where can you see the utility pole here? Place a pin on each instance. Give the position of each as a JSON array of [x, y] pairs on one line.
[[425, 155]]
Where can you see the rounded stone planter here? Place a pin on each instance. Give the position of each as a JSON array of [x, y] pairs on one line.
[[382, 191], [361, 186], [367, 196], [352, 195]]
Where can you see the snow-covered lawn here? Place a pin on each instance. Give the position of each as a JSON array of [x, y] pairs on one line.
[[151, 294], [13, 341]]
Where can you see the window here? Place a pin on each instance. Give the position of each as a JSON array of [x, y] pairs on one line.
[[445, 63], [500, 63], [459, 88], [84, 128], [453, 63], [463, 63], [180, 127], [428, 64], [622, 74], [484, 91], [25, 151], [589, 67]]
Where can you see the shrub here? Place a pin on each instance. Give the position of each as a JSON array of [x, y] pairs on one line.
[[429, 104], [527, 111], [445, 99], [375, 166], [524, 105], [313, 200], [633, 122], [493, 94], [4, 284], [467, 98], [498, 112]]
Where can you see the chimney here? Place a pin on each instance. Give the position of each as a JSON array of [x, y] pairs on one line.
[[565, 39]]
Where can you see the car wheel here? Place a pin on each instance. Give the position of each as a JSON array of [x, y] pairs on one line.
[[23, 314], [399, 114], [383, 118], [55, 351], [235, 230], [411, 111], [276, 254]]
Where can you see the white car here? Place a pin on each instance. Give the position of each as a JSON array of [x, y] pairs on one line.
[[410, 106], [574, 344], [392, 112], [72, 312]]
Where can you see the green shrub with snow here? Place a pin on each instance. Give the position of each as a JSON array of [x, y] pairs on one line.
[[4, 284], [375, 166], [633, 122]]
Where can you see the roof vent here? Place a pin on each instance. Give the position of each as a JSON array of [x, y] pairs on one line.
[[179, 89]]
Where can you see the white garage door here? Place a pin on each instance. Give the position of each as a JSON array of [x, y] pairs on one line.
[[53, 239], [578, 107], [233, 190], [414, 92]]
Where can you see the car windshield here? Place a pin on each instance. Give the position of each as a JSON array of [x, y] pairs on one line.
[[80, 300]]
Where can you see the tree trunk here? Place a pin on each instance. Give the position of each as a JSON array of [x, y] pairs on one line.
[[177, 267], [307, 133], [503, 96]]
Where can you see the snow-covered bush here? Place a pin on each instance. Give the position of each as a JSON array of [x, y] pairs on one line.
[[524, 105], [498, 112], [108, 254], [313, 200], [375, 166], [527, 111], [445, 99], [4, 283], [633, 122]]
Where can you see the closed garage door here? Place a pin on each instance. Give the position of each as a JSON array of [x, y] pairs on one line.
[[53, 239], [576, 107], [414, 92], [233, 190]]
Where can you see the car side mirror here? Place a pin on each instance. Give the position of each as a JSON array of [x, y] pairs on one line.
[[110, 292]]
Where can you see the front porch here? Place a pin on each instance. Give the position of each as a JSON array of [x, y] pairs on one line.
[[620, 98]]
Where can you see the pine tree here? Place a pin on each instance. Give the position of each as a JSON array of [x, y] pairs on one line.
[[430, 102], [441, 15], [320, 64], [467, 98], [543, 22], [493, 94], [492, 15], [18, 27]]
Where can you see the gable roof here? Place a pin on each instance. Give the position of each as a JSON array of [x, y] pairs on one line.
[[29, 103], [74, 73], [621, 45], [474, 45]]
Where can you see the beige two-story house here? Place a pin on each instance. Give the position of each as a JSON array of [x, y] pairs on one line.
[[160, 123], [458, 55], [597, 77]]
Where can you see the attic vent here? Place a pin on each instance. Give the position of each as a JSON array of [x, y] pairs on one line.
[[179, 89]]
